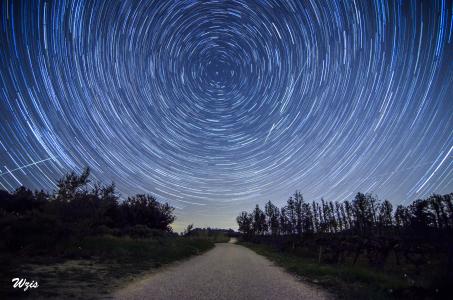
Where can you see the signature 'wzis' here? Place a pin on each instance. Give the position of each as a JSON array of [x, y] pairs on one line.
[[24, 283]]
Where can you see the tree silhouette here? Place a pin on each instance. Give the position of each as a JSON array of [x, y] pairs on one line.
[[273, 216], [244, 221]]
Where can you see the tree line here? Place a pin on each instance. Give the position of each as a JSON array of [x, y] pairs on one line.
[[364, 229], [365, 214], [74, 210]]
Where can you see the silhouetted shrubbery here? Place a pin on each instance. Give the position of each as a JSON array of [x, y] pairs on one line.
[[36, 221]]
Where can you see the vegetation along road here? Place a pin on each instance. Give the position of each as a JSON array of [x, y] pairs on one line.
[[228, 271]]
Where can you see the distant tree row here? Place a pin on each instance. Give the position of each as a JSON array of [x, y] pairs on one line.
[[364, 215], [208, 231], [74, 210], [217, 235], [365, 229]]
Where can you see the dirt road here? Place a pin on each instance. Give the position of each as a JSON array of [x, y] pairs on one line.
[[228, 271]]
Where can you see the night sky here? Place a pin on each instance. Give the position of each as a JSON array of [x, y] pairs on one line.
[[214, 106]]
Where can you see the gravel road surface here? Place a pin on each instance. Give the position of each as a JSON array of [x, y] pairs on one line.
[[228, 271]]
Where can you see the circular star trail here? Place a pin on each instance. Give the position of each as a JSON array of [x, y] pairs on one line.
[[216, 105]]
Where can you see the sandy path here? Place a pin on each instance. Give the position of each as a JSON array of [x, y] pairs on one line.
[[228, 271]]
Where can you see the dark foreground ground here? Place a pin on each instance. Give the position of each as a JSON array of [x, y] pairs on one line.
[[94, 267]]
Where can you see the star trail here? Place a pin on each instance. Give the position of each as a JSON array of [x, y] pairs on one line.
[[217, 105]]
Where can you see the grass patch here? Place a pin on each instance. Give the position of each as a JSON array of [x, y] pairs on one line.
[[93, 267], [348, 281]]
